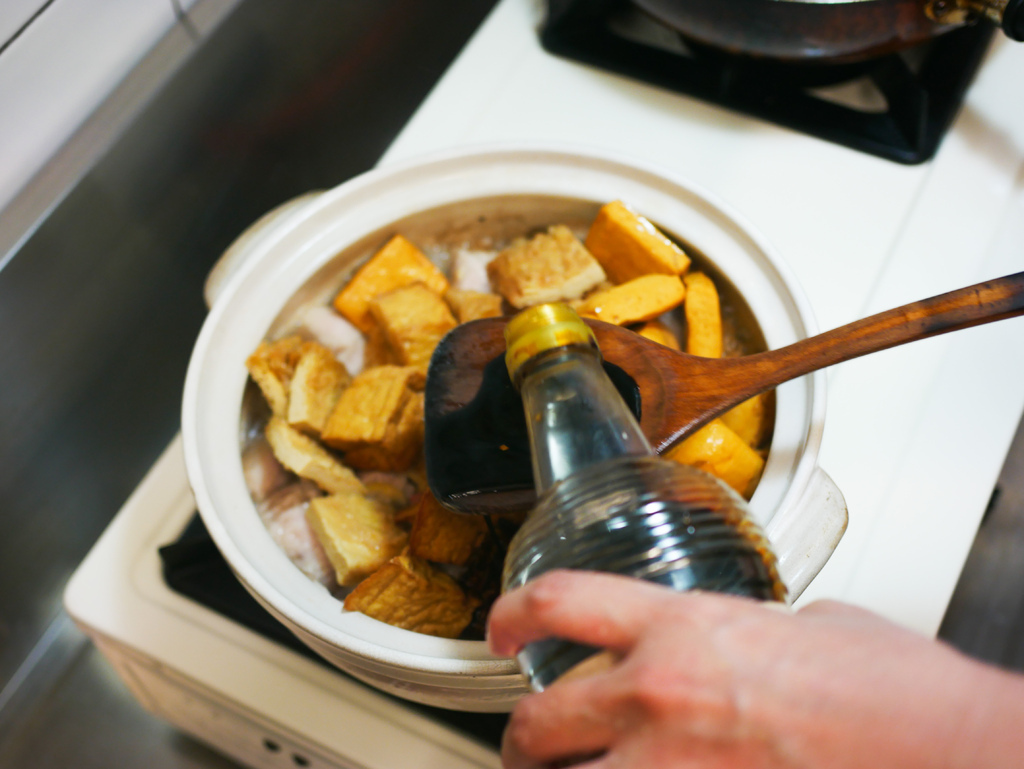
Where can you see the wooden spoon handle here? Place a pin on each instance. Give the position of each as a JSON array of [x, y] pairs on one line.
[[696, 390], [963, 308]]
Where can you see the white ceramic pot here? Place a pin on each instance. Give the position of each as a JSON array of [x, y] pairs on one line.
[[301, 255]]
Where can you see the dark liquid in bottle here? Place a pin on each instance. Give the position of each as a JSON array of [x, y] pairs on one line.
[[644, 518], [485, 466]]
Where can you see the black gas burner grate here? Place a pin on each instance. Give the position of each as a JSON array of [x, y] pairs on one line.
[[193, 566], [919, 91]]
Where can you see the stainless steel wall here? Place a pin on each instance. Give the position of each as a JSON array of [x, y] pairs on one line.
[[99, 308]]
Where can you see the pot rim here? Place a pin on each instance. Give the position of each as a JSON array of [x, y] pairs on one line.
[[296, 248]]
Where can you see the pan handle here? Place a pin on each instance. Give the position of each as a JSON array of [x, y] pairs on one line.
[[1008, 14]]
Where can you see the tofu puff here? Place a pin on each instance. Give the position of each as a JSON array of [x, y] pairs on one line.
[[377, 422], [352, 433]]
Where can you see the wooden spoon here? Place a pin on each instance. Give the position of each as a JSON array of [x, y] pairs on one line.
[[477, 453]]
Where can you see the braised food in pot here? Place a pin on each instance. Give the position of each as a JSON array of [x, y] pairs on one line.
[[333, 449]]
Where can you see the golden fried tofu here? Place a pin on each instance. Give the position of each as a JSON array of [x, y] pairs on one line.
[[417, 475], [316, 385], [388, 495], [408, 514], [378, 351], [399, 263], [413, 319], [358, 533], [401, 444], [378, 420], [552, 266], [441, 536], [658, 332], [749, 420], [308, 459], [703, 316], [719, 451], [271, 366], [373, 399], [473, 305], [640, 299], [409, 593], [418, 379], [627, 245]]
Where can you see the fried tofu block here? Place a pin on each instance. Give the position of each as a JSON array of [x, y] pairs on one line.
[[316, 385], [640, 299], [271, 366], [308, 459], [703, 316], [551, 266], [399, 263], [401, 445], [441, 536], [627, 245], [658, 332], [377, 351], [749, 420], [378, 420], [358, 534], [413, 319], [409, 593], [473, 305], [387, 495], [372, 400], [418, 379], [417, 475], [719, 451]]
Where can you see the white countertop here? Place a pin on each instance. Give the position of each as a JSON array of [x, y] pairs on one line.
[[915, 437]]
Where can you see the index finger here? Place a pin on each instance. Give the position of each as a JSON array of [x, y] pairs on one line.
[[603, 610]]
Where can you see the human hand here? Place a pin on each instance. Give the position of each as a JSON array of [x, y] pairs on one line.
[[706, 680]]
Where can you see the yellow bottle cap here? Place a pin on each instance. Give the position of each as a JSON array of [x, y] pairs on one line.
[[541, 328]]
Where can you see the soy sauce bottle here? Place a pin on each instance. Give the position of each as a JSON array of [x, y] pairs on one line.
[[606, 502]]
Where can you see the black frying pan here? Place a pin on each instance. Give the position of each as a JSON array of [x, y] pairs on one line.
[[826, 30]]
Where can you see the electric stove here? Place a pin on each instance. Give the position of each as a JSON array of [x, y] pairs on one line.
[[914, 437]]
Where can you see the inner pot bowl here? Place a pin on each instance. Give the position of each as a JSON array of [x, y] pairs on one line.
[[468, 196]]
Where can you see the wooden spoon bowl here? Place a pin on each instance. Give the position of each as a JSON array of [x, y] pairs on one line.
[[478, 458]]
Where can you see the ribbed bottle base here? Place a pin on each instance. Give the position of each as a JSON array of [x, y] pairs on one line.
[[646, 518]]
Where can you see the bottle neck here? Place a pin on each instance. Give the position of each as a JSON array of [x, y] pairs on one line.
[[574, 415]]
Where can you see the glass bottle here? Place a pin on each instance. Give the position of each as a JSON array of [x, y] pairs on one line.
[[606, 502]]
